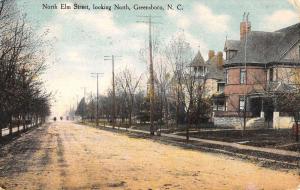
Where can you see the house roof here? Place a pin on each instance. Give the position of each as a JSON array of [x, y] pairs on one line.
[[281, 87], [232, 45], [198, 60], [275, 87], [214, 72], [265, 47]]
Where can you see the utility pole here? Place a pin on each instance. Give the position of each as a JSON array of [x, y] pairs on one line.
[[246, 73], [150, 22], [97, 111], [112, 59]]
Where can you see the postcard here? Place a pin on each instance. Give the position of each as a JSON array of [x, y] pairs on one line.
[[149, 94]]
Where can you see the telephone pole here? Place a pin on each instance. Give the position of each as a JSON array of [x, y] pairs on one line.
[[150, 23], [112, 59], [97, 111], [246, 73]]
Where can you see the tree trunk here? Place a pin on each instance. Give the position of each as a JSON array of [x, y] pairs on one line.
[[166, 115], [177, 111], [24, 123], [10, 129], [188, 127], [19, 119], [297, 132], [0, 130], [161, 112], [10, 126], [130, 119], [36, 121], [130, 112]]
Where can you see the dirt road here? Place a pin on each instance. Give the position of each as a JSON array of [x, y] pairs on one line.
[[70, 156]]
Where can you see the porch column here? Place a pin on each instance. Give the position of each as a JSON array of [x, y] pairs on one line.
[[276, 116], [276, 120], [262, 113]]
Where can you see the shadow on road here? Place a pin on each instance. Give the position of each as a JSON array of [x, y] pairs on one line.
[[16, 155]]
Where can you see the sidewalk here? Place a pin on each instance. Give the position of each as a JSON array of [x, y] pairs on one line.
[[283, 157], [15, 132], [5, 131]]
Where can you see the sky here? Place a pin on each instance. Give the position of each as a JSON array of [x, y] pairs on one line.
[[81, 38]]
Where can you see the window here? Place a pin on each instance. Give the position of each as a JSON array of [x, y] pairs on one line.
[[226, 77], [203, 71], [220, 87], [242, 76], [230, 54], [242, 103], [219, 104], [271, 75]]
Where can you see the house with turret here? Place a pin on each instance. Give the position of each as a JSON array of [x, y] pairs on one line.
[[257, 66], [211, 74]]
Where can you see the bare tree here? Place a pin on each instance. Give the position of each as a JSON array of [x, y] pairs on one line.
[[178, 55], [163, 75], [129, 82]]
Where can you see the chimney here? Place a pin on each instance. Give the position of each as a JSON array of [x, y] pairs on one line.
[[211, 54], [220, 60], [245, 26]]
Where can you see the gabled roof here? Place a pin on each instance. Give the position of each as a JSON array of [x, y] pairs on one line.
[[266, 47], [198, 60]]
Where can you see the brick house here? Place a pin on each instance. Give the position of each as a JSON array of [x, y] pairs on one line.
[[256, 65]]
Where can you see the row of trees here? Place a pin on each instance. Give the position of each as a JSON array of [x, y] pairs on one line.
[[22, 98], [178, 91]]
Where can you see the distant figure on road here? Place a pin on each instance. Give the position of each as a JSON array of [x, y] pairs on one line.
[[54, 119], [61, 118]]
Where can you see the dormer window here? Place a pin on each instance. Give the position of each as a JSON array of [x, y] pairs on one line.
[[230, 54]]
